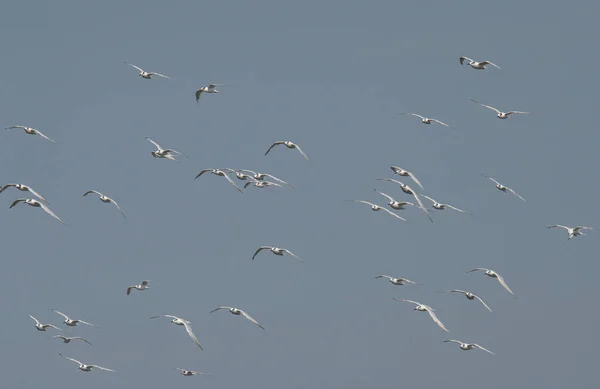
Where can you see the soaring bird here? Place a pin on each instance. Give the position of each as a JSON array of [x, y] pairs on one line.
[[37, 204], [405, 173], [163, 153], [503, 188], [31, 131], [145, 74], [260, 184], [375, 207], [182, 322], [237, 312], [289, 145], [398, 281], [493, 274], [408, 190], [67, 339], [468, 346], [42, 327], [477, 65], [573, 231], [397, 205], [206, 89], [440, 206], [84, 367], [142, 286], [219, 173], [424, 119], [425, 308], [23, 188], [258, 176], [105, 199], [500, 114], [470, 296], [276, 251], [72, 322], [190, 372]]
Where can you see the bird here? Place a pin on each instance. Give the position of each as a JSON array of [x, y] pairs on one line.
[[289, 145], [500, 114], [220, 173], [276, 251], [503, 188], [397, 205], [163, 153], [477, 65], [72, 322], [259, 176], [468, 346], [105, 199], [237, 312], [142, 286], [23, 188], [398, 281], [67, 339], [470, 296], [37, 204], [145, 74], [573, 231], [260, 184], [182, 322], [425, 308], [425, 120], [440, 206], [42, 327], [408, 190], [31, 131], [405, 173], [376, 208], [84, 367], [206, 89], [493, 274], [190, 372]]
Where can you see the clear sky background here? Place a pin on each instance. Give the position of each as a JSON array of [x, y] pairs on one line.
[[332, 77]]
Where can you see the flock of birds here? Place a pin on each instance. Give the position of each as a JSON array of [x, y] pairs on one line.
[[262, 180]]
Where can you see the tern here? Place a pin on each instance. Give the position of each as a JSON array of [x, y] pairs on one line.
[[440, 206], [35, 203], [31, 131], [477, 65], [105, 199], [398, 281], [468, 346], [190, 372], [206, 89], [375, 207], [493, 274], [23, 188], [425, 308], [408, 190], [425, 120], [470, 296], [42, 327], [261, 184], [237, 312], [182, 322], [397, 205], [145, 74], [219, 173], [84, 367], [142, 286], [67, 339], [72, 322], [276, 251], [500, 114], [163, 153], [405, 173], [573, 231], [503, 188], [258, 176], [289, 145]]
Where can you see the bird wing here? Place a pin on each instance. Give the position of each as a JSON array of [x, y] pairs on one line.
[[293, 255], [416, 196], [218, 308], [119, 208], [132, 65], [558, 225], [301, 152], [198, 94], [60, 313], [478, 268], [277, 179], [100, 367], [71, 359], [415, 179], [454, 208], [390, 180], [92, 191], [482, 348], [429, 198], [11, 127], [511, 112], [490, 63], [17, 201], [80, 338], [160, 75], [202, 172], [188, 328], [154, 143], [44, 136], [384, 276], [171, 316], [247, 171], [414, 114], [129, 289], [435, 318], [36, 194], [386, 196], [393, 214], [487, 106], [408, 301], [233, 183], [36, 320], [483, 302], [584, 228], [259, 250], [60, 336], [453, 341], [515, 193], [55, 327], [145, 282], [49, 212], [440, 122], [280, 142], [462, 59], [251, 319], [503, 283], [87, 324]]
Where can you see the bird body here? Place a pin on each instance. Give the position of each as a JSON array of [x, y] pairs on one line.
[[142, 286]]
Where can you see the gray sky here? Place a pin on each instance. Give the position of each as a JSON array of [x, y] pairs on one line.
[[330, 76]]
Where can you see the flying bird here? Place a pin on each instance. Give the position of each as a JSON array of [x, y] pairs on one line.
[[182, 322], [163, 153], [468, 346], [425, 308], [397, 205], [261, 184], [237, 312], [190, 372], [408, 190], [425, 120], [206, 89], [219, 173], [31, 131], [500, 114], [37, 204], [67, 339], [375, 207], [289, 145], [470, 296], [440, 206], [84, 367], [398, 281], [142, 286], [573, 231], [405, 173], [145, 74], [259, 176], [276, 251], [23, 188], [493, 274], [72, 322], [42, 327], [503, 188], [105, 199], [477, 65]]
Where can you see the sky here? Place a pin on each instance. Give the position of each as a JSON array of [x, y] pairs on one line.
[[331, 76]]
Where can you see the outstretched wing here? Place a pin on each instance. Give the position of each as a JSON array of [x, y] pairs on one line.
[[293, 255], [80, 338], [132, 65], [261, 248], [463, 59], [44, 136], [483, 302], [490, 63], [100, 367], [188, 328], [301, 152], [385, 195], [275, 144], [36, 320], [415, 179], [486, 106], [36, 194], [440, 122], [251, 319], [483, 348], [435, 318], [216, 309], [515, 193], [17, 201], [416, 196], [454, 208], [478, 269], [92, 191], [393, 214], [497, 183], [119, 208], [160, 75], [49, 212], [503, 283], [71, 359], [154, 143], [233, 183], [511, 112]]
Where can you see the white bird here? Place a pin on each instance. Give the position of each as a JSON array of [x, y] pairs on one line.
[[397, 205], [163, 153], [261, 184], [375, 207], [105, 199], [35, 203], [190, 372], [398, 281], [408, 190], [470, 296], [219, 173], [72, 322], [258, 176], [84, 367], [477, 65], [67, 339], [206, 89], [237, 312], [425, 120], [573, 231], [142, 286], [503, 188], [493, 274], [468, 346], [23, 188], [440, 206], [182, 322], [145, 74], [276, 251], [500, 114], [289, 145], [428, 309], [405, 173], [42, 327], [31, 131]]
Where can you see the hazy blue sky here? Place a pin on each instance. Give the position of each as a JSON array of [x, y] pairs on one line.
[[330, 76]]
